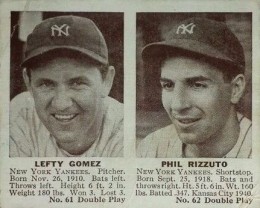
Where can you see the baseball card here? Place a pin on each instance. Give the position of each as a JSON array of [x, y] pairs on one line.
[[129, 104]]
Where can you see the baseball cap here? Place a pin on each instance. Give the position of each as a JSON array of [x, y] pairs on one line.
[[203, 37], [70, 32]]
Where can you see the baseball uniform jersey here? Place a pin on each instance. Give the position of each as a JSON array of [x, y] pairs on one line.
[[30, 138], [165, 143]]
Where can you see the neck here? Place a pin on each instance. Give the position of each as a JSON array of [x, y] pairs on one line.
[[219, 144]]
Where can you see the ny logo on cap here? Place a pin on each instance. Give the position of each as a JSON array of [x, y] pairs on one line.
[[62, 30], [185, 28]]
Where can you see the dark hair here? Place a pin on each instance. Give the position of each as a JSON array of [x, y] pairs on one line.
[[44, 58]]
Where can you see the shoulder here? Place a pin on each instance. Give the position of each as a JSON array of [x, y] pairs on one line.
[[114, 113], [243, 120], [114, 107], [21, 104], [25, 127], [245, 126], [245, 137], [243, 146], [112, 134], [22, 110], [23, 99], [159, 143]]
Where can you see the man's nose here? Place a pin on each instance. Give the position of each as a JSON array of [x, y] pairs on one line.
[[62, 99], [180, 99]]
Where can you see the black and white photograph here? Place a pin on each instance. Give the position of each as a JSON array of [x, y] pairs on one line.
[[194, 96], [66, 85]]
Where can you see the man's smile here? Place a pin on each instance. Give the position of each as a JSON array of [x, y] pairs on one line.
[[64, 117], [186, 121]]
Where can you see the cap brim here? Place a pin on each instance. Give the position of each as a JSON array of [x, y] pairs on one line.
[[43, 50], [159, 50]]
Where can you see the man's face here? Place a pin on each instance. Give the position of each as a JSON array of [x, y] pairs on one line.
[[68, 95], [196, 97]]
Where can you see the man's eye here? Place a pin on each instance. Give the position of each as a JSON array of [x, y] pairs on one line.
[[167, 85], [78, 84], [198, 85], [46, 84]]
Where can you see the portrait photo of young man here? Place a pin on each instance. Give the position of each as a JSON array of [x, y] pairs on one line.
[[202, 68], [71, 103]]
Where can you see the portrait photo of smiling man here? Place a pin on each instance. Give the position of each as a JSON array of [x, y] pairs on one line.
[[67, 109], [201, 65]]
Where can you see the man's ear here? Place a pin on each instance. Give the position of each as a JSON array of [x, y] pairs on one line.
[[26, 80], [238, 87], [108, 81]]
